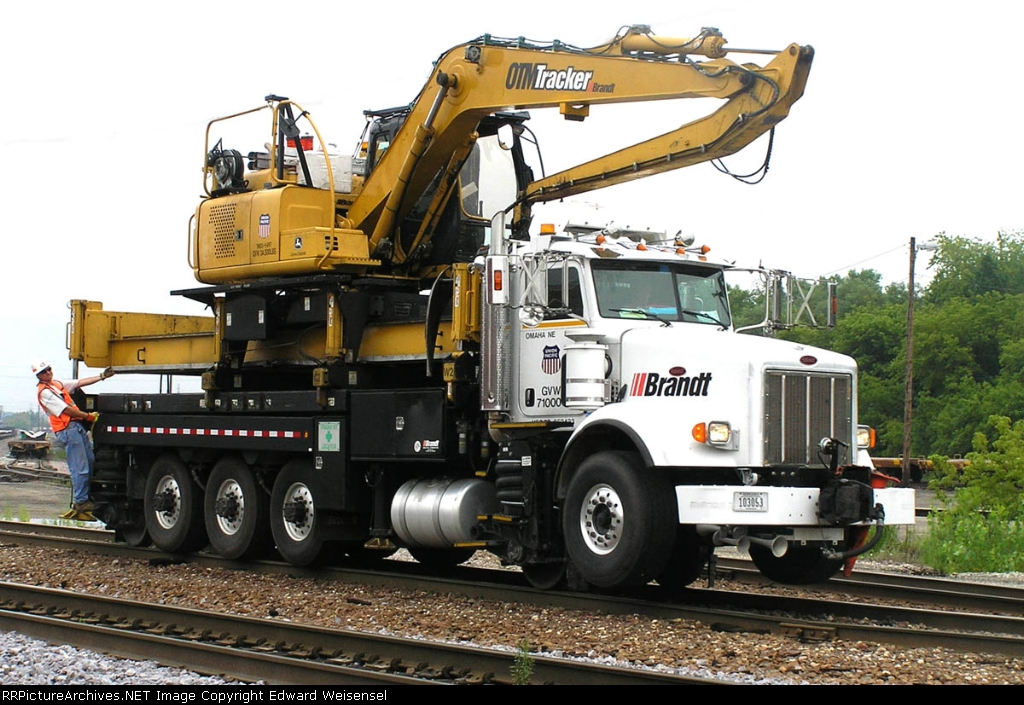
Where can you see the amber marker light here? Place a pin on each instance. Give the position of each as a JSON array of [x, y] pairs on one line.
[[700, 433], [547, 228]]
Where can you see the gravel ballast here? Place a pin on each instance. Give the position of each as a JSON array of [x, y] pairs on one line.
[[671, 645]]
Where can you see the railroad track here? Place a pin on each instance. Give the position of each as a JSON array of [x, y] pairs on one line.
[[277, 652], [944, 592], [831, 614], [12, 470]]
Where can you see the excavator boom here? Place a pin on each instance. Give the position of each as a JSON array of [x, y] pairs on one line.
[[474, 80]]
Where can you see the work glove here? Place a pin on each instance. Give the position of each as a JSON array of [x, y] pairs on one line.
[[109, 372], [93, 417]]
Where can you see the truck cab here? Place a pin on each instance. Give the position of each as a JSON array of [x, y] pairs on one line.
[[622, 348]]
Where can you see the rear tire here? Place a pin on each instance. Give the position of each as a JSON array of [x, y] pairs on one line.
[[545, 576], [802, 565], [134, 532], [618, 520], [174, 507], [237, 511], [295, 519]]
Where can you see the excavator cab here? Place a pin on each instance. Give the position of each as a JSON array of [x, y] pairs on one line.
[[446, 224]]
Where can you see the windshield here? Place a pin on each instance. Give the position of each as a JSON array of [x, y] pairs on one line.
[[669, 292]]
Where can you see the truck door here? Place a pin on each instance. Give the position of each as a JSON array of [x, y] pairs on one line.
[[542, 347]]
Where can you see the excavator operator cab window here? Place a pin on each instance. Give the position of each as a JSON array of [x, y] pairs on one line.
[[380, 144]]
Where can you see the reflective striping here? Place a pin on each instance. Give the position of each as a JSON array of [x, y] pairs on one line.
[[217, 432]]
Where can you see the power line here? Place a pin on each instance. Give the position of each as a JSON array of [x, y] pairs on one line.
[[851, 266]]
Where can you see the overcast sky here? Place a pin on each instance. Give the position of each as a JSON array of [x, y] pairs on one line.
[[909, 127]]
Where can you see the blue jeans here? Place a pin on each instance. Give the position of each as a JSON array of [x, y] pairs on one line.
[[80, 459]]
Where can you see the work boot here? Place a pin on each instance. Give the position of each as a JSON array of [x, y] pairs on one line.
[[83, 507]]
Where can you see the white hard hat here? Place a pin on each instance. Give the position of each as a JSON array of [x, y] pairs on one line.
[[40, 366]]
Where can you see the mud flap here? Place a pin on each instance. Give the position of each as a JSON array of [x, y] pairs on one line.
[[846, 502], [858, 537]]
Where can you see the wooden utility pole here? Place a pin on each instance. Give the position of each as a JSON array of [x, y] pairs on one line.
[[908, 390]]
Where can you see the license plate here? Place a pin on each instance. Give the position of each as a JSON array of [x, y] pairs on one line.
[[750, 501]]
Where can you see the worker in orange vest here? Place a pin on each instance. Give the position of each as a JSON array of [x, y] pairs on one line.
[[67, 422]]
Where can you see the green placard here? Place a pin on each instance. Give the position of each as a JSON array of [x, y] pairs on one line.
[[329, 440]]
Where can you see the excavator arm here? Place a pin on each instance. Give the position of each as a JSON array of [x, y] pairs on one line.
[[476, 79]]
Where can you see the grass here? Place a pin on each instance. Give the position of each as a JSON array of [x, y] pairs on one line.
[[963, 542], [23, 514], [900, 544], [522, 666]]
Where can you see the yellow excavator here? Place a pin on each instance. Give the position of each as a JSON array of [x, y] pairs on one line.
[[418, 195]]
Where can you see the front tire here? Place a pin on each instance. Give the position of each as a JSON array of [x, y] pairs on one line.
[[618, 520], [295, 519], [686, 562], [801, 565], [174, 507], [237, 511]]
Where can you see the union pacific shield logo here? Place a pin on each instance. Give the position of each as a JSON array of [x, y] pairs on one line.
[[551, 363]]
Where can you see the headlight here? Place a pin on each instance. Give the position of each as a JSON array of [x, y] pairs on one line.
[[716, 433], [865, 437], [719, 433]]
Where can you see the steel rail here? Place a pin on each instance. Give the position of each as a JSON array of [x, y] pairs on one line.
[[281, 652], [832, 618]]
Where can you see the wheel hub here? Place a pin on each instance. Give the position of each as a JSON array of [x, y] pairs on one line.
[[167, 502], [230, 507], [601, 519], [298, 512]]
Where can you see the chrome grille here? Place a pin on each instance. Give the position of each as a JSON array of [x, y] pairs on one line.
[[801, 408]]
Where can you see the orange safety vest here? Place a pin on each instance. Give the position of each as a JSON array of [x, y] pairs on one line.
[[57, 423]]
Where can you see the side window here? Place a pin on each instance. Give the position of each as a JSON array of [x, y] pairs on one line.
[[487, 180], [381, 142], [559, 299]]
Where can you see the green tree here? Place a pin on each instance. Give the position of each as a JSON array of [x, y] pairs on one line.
[[747, 306], [966, 268], [31, 420], [982, 528]]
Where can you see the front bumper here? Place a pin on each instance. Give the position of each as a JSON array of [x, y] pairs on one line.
[[777, 506]]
